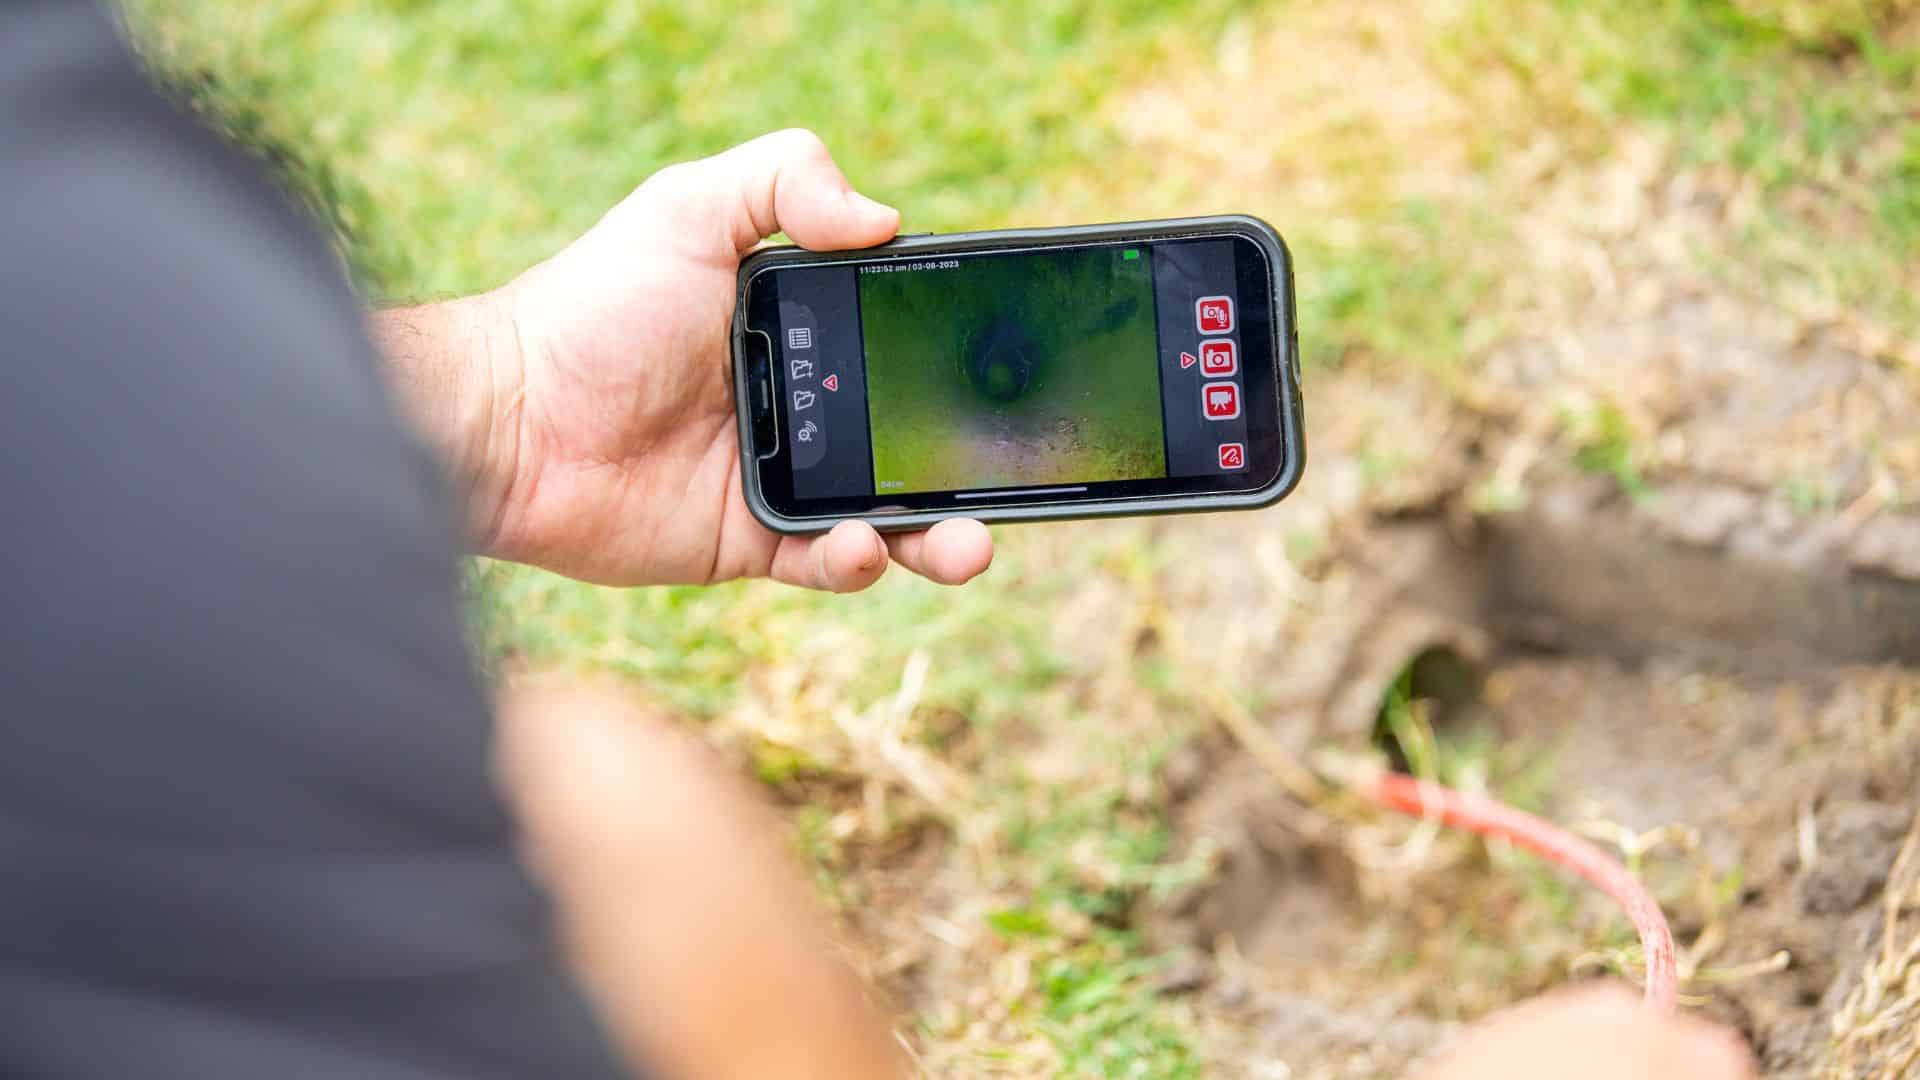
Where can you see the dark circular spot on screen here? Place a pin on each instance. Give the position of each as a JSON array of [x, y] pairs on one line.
[[1001, 359]]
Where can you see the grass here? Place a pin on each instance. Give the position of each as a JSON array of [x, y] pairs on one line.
[[1604, 442], [485, 135], [1017, 721], [459, 146], [1802, 111]]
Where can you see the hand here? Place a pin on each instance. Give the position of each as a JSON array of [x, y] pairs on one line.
[[1594, 1034], [596, 427]]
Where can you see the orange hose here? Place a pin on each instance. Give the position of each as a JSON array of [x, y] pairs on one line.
[[1492, 818]]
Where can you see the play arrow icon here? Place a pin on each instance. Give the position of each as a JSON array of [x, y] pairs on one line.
[[1187, 360], [831, 382]]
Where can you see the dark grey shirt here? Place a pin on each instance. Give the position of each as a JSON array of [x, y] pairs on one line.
[[246, 825]]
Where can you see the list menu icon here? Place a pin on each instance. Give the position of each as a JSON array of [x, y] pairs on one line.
[[800, 337]]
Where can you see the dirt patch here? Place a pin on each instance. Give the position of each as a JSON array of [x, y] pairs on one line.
[[1703, 671], [1770, 811], [1794, 796]]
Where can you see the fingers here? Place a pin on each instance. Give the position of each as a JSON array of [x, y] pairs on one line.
[[783, 182], [847, 559], [852, 556], [1601, 1033], [953, 552]]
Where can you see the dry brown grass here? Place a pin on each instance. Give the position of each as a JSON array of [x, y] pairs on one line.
[[1876, 1031]]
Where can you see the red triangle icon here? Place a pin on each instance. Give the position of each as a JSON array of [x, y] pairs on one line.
[[1187, 361], [831, 382]]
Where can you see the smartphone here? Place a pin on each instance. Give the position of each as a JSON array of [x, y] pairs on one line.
[[1021, 375]]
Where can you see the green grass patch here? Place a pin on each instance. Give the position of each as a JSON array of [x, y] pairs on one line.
[[480, 137], [1416, 289], [1103, 1019], [1083, 856], [1810, 107], [1604, 442], [701, 649]]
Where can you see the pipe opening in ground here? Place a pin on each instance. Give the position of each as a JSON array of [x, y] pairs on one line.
[[1427, 700]]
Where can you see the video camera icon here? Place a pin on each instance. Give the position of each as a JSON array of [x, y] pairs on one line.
[[1220, 401]]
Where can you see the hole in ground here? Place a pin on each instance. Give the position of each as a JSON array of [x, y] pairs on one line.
[[1428, 699]]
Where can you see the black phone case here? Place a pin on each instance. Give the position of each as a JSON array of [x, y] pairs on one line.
[[1286, 338]]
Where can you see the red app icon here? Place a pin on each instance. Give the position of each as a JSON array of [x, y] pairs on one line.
[[1233, 456], [1217, 359], [1220, 400], [1214, 314]]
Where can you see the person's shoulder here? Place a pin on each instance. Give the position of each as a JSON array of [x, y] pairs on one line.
[[197, 439], [93, 153]]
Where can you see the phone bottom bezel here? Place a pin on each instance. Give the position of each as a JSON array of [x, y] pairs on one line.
[[1081, 509]]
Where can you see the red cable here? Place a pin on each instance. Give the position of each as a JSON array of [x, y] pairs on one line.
[[1489, 817]]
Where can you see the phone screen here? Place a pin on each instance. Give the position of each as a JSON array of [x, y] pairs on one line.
[[990, 377]]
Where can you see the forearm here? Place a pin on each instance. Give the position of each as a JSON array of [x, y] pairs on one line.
[[456, 368], [675, 890]]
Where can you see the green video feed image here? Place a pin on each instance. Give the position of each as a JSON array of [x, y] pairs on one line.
[[1013, 370]]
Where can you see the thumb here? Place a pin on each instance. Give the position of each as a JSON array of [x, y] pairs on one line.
[[783, 182]]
